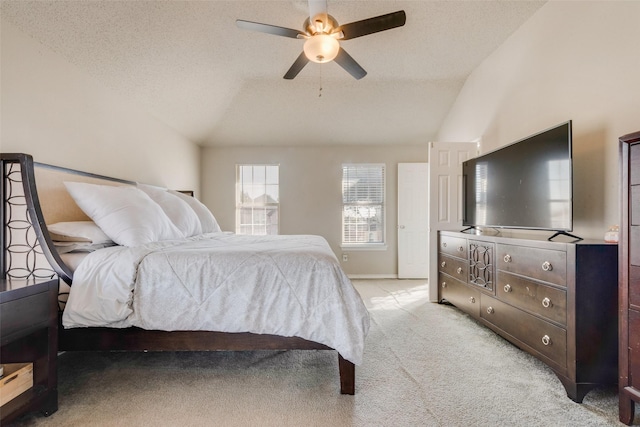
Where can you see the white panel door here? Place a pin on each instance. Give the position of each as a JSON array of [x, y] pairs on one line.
[[413, 220], [445, 197]]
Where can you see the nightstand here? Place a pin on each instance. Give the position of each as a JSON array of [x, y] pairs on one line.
[[29, 334]]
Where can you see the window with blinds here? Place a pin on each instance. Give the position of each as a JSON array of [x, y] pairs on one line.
[[257, 199], [363, 204]]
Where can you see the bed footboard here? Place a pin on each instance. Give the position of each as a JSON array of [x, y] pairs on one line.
[[136, 339]]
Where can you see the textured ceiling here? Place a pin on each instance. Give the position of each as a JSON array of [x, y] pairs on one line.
[[188, 64]]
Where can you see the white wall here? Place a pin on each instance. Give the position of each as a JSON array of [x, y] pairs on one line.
[[311, 192], [60, 115], [571, 60]]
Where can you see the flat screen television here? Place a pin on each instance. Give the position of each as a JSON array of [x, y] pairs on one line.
[[525, 185]]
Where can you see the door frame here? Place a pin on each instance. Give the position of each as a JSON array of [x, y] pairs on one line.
[[445, 196]]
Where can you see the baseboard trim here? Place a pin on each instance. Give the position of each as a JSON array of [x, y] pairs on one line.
[[372, 276]]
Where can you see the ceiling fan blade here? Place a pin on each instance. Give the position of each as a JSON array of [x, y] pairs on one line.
[[373, 25], [297, 66], [348, 63], [269, 29]]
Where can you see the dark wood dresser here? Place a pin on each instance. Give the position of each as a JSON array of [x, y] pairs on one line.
[[629, 382], [557, 301]]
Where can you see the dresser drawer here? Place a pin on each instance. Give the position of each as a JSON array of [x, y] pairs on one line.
[[634, 245], [634, 286], [542, 264], [634, 348], [454, 246], [459, 294], [454, 267], [634, 205], [634, 164], [537, 298], [544, 337]]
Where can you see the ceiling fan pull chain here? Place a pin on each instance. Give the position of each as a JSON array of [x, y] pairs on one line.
[[320, 90]]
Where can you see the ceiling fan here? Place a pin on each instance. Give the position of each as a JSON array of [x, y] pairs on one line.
[[322, 35]]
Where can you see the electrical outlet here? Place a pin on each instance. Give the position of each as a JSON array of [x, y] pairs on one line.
[[345, 257]]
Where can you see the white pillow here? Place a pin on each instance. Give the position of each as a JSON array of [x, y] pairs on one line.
[[127, 215], [178, 211], [207, 220], [78, 231]]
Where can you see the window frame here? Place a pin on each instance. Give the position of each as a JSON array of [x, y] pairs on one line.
[[367, 246], [256, 207]]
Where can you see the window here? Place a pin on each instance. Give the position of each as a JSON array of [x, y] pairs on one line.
[[257, 199], [363, 204]]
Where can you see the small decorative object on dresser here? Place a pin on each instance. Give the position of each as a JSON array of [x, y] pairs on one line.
[[557, 301], [629, 273]]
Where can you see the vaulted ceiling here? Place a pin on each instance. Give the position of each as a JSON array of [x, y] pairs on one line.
[[188, 64]]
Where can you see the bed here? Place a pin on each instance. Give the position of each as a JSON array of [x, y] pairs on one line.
[[259, 292]]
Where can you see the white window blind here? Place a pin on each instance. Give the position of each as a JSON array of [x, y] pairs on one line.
[[257, 199], [363, 203]]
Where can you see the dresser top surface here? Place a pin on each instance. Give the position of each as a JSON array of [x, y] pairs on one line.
[[514, 238]]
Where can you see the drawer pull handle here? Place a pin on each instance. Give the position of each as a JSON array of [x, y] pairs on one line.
[[459, 270], [546, 303], [546, 266], [460, 249], [507, 288], [546, 340], [444, 284], [472, 300], [444, 245], [507, 258], [443, 264], [490, 310]]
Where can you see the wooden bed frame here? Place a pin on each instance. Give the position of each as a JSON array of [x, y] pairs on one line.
[[20, 192]]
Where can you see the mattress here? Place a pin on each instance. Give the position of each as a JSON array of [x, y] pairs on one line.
[[281, 285]]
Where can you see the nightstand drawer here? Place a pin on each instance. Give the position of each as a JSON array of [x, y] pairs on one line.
[[20, 317]]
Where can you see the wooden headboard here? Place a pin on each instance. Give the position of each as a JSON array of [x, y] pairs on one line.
[[33, 195], [55, 201]]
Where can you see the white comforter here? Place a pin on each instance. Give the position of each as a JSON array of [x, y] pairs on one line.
[[282, 285]]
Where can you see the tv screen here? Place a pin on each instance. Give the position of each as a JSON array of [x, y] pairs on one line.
[[526, 185]]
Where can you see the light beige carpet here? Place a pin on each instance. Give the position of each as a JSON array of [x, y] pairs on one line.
[[425, 365]]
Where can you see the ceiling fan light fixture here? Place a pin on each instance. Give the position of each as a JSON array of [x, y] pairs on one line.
[[321, 48]]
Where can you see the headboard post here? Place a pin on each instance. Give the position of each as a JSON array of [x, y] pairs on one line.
[[3, 215], [27, 249]]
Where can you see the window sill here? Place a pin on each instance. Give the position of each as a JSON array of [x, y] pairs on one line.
[[364, 247]]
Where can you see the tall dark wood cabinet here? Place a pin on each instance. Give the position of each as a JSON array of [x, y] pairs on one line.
[[629, 276]]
